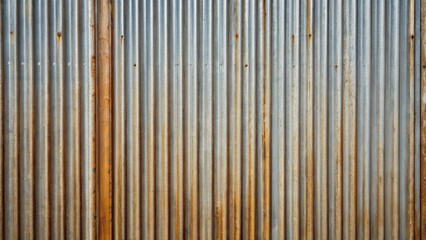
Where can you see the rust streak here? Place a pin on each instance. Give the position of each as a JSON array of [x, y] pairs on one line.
[[423, 123], [410, 225], [105, 119]]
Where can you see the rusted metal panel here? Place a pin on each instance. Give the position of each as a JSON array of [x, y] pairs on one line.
[[270, 119], [206, 119], [48, 119]]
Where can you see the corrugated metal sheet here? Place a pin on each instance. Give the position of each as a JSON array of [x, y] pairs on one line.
[[266, 119], [48, 122], [198, 119]]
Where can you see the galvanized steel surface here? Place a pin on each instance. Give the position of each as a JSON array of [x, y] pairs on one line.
[[266, 119], [241, 119], [48, 122]]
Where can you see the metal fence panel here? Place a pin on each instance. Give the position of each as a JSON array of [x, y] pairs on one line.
[[198, 119]]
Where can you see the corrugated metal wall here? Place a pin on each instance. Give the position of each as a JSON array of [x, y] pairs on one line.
[[199, 119], [48, 124], [266, 119]]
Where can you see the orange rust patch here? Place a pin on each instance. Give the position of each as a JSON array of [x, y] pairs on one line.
[[219, 222], [93, 66]]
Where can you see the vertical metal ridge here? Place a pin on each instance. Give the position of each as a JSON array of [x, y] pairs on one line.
[[320, 119], [88, 70], [306, 121], [392, 123], [423, 118], [26, 112], [161, 66], [104, 126], [131, 76], [406, 115], [263, 118], [292, 108], [72, 123], [118, 144], [417, 120], [205, 133], [11, 196], [278, 220], [377, 121], [175, 121], [190, 118], [2, 128], [349, 121], [411, 192], [248, 108], [148, 108], [57, 89], [335, 120], [363, 118], [42, 122], [220, 125], [234, 112]]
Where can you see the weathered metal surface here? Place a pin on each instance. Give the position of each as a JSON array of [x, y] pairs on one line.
[[104, 110], [198, 119], [267, 119], [421, 89], [47, 79]]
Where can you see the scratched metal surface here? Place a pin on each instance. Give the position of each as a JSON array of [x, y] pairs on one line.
[[240, 119]]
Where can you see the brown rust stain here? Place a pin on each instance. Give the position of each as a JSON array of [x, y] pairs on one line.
[[58, 37], [234, 225], [266, 160], [162, 191], [219, 223], [292, 38], [423, 123], [411, 165], [250, 208], [193, 208], [308, 20], [93, 67], [104, 114], [236, 36], [423, 159]]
